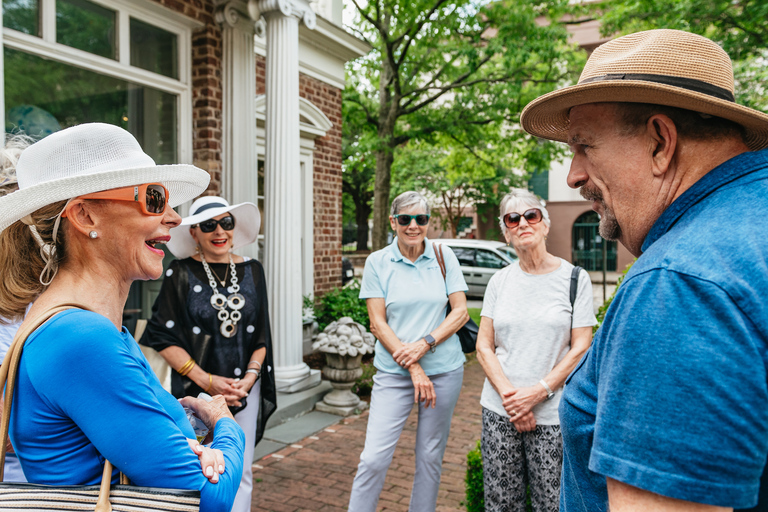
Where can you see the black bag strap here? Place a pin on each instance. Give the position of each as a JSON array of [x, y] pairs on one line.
[[574, 287]]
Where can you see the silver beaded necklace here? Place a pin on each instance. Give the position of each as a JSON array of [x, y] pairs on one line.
[[235, 301]]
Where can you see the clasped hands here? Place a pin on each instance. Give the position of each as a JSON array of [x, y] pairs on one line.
[[519, 403], [410, 353], [231, 389], [408, 356]]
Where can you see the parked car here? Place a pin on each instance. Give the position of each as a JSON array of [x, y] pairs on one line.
[[347, 271], [479, 260]]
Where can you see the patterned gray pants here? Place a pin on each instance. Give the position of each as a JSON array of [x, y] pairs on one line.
[[513, 460]]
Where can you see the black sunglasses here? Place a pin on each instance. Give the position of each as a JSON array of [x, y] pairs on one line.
[[532, 216], [404, 220], [208, 226]]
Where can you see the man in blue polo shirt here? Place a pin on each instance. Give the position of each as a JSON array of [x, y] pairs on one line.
[[669, 409]]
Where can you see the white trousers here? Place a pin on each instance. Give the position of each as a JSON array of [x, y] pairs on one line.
[[247, 420], [391, 402]]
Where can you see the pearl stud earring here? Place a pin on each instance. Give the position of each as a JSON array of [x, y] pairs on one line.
[[93, 234]]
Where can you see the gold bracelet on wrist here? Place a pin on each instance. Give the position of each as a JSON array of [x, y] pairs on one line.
[[186, 367], [210, 382]]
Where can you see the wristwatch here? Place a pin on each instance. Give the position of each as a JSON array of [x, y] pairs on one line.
[[431, 342], [550, 393]]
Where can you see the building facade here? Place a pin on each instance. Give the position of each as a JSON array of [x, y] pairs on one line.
[[217, 84]]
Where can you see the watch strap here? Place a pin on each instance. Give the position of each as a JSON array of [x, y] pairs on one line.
[[431, 342], [550, 393]]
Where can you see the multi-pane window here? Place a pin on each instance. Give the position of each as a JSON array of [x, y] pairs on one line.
[[76, 61]]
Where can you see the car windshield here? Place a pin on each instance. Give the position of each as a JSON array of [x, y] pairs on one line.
[[508, 252]]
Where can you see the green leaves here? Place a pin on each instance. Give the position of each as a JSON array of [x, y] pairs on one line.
[[739, 27], [444, 86]]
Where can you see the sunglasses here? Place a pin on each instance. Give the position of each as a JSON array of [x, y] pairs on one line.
[[152, 197], [404, 220], [209, 226], [532, 216]]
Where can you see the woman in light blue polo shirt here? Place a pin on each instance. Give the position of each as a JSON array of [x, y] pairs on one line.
[[418, 355]]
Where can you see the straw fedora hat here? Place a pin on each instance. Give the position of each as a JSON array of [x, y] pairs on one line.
[[247, 224], [90, 158], [663, 67]]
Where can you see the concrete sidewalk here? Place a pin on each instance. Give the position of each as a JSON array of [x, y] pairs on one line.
[[315, 473]]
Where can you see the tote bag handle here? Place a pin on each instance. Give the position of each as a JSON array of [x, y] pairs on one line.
[[8, 372]]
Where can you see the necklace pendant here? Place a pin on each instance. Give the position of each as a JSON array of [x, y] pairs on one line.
[[235, 301], [228, 328], [218, 301]]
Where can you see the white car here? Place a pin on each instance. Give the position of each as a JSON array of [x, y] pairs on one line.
[[479, 260]]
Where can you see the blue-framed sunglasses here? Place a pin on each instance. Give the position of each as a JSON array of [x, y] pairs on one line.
[[404, 220]]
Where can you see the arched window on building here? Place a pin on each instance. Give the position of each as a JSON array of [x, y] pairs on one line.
[[588, 244]]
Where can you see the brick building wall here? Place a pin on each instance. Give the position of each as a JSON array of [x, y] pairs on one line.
[[207, 132], [327, 178], [327, 185], [206, 87]]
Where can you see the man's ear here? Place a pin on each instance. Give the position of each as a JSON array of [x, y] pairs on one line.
[[81, 216], [663, 134]]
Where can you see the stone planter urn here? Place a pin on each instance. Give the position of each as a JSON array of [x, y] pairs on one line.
[[344, 344]]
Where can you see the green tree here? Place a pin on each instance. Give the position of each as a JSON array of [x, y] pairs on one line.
[[740, 27], [451, 68], [456, 175], [358, 169]]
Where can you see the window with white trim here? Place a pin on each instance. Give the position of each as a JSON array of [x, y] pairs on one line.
[[124, 63]]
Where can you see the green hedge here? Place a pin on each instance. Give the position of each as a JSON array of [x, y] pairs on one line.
[[474, 481], [341, 302]]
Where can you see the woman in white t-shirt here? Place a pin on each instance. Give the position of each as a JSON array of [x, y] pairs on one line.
[[530, 339]]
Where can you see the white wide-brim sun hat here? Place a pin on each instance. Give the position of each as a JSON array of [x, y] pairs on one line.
[[247, 224], [89, 158]]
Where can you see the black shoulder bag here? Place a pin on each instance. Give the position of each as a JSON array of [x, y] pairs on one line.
[[468, 333]]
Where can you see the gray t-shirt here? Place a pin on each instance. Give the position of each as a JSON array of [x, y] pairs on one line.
[[532, 322]]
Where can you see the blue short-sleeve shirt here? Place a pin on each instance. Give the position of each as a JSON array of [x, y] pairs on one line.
[[416, 297], [673, 395]]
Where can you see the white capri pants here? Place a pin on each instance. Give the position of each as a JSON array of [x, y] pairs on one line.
[[391, 404], [247, 420]]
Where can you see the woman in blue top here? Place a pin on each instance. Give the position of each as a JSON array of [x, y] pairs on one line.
[[418, 356], [90, 208]]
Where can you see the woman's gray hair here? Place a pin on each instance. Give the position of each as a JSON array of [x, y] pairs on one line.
[[9, 156], [408, 199], [521, 197]]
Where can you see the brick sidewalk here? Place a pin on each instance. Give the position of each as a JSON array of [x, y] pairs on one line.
[[316, 473]]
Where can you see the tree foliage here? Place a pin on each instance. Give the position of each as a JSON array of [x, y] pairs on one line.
[[452, 71], [740, 27], [358, 168]]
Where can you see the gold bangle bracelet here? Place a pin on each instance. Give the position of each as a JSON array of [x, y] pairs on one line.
[[185, 372], [186, 367], [210, 382]]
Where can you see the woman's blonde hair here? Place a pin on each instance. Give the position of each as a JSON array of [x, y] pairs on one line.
[[21, 263]]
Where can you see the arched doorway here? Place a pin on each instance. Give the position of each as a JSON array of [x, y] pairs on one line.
[[587, 243]]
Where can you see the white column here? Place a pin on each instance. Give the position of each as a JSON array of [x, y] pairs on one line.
[[239, 181], [282, 194]]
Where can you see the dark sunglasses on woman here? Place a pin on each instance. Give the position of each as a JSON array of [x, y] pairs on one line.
[[208, 226], [532, 216], [421, 219], [151, 197]]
